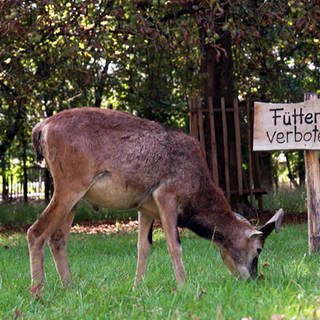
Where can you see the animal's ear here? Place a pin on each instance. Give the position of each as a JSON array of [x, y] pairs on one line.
[[255, 234], [273, 224], [241, 218]]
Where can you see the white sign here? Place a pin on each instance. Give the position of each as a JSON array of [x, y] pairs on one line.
[[280, 126]]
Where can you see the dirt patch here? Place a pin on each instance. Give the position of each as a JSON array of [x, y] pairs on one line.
[[107, 227], [124, 226]]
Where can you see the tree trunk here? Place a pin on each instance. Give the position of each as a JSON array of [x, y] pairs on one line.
[[25, 173], [5, 185], [9, 135], [100, 87], [218, 82]]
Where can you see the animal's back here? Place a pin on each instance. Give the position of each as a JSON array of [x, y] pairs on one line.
[[142, 152]]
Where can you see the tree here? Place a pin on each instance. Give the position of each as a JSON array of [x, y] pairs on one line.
[[268, 37], [147, 57]]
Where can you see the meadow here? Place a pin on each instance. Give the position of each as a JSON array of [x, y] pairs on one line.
[[103, 268]]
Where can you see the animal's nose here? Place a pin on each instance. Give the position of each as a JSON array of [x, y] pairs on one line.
[[254, 268], [254, 275]]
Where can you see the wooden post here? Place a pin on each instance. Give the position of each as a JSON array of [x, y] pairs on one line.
[[311, 160], [225, 147], [193, 121], [238, 145], [191, 129], [251, 185], [200, 123], [215, 171]]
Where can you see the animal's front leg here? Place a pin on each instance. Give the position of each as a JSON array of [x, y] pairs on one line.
[[167, 206], [144, 245]]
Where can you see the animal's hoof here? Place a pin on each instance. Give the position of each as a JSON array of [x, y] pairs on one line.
[[36, 291], [67, 284]]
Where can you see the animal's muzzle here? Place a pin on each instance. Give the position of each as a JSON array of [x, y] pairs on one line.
[[254, 268]]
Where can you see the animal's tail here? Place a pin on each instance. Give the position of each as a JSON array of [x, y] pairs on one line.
[[37, 141]]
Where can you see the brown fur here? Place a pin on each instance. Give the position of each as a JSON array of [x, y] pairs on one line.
[[117, 160]]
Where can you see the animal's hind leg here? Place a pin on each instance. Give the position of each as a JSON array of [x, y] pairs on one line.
[[144, 245], [38, 234], [58, 246]]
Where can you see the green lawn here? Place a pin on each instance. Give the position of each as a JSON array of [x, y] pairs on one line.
[[103, 269]]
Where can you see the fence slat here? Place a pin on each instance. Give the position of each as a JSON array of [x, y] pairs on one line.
[[238, 146], [249, 137], [225, 147], [213, 142], [200, 124], [193, 118]]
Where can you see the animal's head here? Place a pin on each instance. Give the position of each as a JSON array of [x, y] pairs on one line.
[[241, 255]]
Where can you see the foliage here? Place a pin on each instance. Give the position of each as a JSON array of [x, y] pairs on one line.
[[291, 200], [22, 215], [102, 286], [146, 57], [280, 43], [18, 215], [291, 170]]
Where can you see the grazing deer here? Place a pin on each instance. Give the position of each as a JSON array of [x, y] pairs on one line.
[[114, 159]]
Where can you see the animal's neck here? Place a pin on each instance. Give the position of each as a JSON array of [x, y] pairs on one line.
[[205, 231], [210, 217]]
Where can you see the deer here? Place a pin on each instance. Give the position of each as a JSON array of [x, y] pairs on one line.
[[117, 160]]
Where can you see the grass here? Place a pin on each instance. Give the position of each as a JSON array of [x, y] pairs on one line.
[[103, 269]]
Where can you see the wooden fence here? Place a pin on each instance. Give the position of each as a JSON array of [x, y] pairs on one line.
[[203, 126]]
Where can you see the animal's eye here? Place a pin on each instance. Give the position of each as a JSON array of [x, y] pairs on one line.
[[259, 250]]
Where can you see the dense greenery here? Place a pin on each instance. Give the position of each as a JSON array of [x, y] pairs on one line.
[[102, 286], [146, 57], [291, 200], [22, 215]]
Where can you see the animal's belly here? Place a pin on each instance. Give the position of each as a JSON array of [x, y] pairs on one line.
[[114, 194]]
